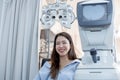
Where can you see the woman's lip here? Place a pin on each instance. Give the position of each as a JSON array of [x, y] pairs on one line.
[[61, 50]]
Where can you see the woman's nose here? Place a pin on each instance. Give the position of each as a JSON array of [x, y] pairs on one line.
[[61, 45]]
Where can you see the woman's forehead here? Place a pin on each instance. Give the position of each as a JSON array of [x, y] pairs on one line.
[[59, 38]]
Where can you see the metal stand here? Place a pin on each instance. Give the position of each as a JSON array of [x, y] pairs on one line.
[[48, 42]]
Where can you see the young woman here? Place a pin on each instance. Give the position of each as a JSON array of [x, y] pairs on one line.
[[63, 62]]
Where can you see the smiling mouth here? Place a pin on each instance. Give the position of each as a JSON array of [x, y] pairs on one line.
[[61, 50]]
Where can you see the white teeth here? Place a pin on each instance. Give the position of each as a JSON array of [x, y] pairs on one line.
[[61, 50]]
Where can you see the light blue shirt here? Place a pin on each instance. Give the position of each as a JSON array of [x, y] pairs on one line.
[[67, 73]]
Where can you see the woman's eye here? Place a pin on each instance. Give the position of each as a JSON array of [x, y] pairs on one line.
[[64, 42], [57, 43]]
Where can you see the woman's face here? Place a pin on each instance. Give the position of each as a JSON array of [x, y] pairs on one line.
[[62, 45]]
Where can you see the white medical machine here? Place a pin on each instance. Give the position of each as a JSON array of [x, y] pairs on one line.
[[95, 19]]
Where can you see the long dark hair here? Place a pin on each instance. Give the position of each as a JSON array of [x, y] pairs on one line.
[[55, 56]]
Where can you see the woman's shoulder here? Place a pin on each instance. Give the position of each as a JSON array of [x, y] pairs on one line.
[[76, 61], [47, 64]]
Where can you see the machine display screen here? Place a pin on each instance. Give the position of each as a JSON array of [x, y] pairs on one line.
[[96, 14], [100, 12]]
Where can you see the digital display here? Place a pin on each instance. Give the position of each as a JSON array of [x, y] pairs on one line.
[[98, 10], [94, 14]]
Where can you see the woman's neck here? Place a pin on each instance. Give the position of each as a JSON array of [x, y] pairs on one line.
[[64, 61]]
